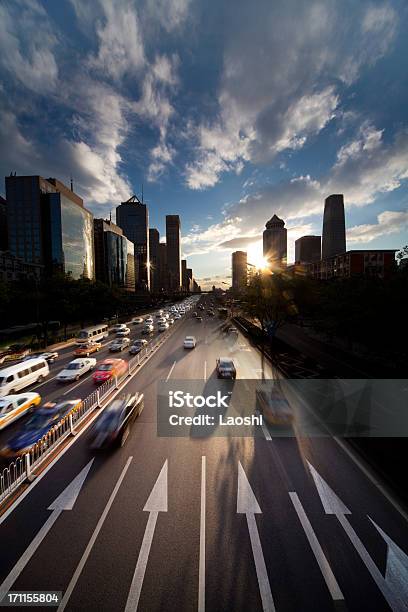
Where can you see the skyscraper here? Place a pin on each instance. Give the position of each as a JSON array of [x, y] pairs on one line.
[[334, 226], [173, 241], [184, 277], [3, 225], [163, 276], [154, 241], [48, 225], [308, 249], [114, 256], [239, 270], [275, 243], [132, 217]]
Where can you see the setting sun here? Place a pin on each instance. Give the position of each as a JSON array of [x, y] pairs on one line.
[[255, 256]]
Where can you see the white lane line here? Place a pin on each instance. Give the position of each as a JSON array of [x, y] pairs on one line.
[[205, 370], [201, 575], [264, 428], [171, 370], [91, 542], [45, 382], [321, 559]]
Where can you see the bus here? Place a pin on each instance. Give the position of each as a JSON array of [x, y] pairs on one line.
[[95, 333]]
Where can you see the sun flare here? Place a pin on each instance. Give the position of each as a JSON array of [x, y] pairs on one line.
[[255, 256]]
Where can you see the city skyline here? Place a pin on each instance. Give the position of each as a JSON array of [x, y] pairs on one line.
[[227, 155]]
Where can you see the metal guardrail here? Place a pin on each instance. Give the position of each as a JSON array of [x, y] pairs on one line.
[[21, 468]]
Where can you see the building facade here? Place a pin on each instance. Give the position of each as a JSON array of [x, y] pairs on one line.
[[114, 256], [308, 249], [49, 226], [173, 241], [239, 270], [14, 269], [275, 242], [133, 218], [154, 241], [3, 225], [163, 276], [334, 226], [378, 263]]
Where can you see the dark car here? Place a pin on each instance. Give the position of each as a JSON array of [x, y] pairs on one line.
[[119, 344], [199, 319], [226, 368], [137, 346], [113, 427], [38, 425]]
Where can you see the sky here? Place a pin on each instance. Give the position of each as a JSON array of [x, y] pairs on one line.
[[226, 112]]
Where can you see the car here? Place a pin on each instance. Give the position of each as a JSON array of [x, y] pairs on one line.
[[232, 331], [113, 427], [119, 344], [149, 320], [177, 316], [199, 319], [88, 348], [76, 368], [189, 342], [137, 346], [274, 406], [137, 320], [14, 352], [166, 315], [195, 314], [49, 356], [109, 368], [171, 321], [161, 320], [159, 314], [12, 407], [119, 327], [163, 327], [225, 368], [125, 331], [148, 329], [210, 313], [43, 419]]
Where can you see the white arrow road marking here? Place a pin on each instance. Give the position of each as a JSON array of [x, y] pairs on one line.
[[321, 559], [396, 572], [333, 505], [91, 542], [201, 573], [247, 504], [157, 502], [65, 501]]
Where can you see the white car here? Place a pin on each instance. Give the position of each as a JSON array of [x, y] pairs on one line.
[[166, 315], [125, 331], [119, 327], [163, 327], [149, 320], [189, 342], [12, 407], [137, 320], [171, 321], [76, 368], [148, 329], [177, 316]]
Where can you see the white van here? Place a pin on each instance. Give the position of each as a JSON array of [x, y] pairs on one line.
[[21, 375]]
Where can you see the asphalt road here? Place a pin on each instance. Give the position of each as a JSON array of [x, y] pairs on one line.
[[214, 523]]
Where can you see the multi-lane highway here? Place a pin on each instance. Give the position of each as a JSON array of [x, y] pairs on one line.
[[211, 523]]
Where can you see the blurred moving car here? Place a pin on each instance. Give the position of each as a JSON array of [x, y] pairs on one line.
[[148, 329], [171, 321], [77, 368], [125, 331], [137, 321], [14, 352], [119, 327], [113, 427], [274, 406], [22, 374], [119, 344], [225, 368], [189, 342], [109, 368], [46, 417], [232, 331], [149, 320], [199, 319], [137, 346], [210, 313], [88, 348], [163, 326], [12, 407], [50, 356]]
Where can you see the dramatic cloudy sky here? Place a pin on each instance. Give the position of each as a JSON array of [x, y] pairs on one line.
[[228, 112]]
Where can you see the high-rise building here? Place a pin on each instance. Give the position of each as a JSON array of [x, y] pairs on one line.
[[239, 270], [189, 273], [163, 276], [114, 256], [3, 225], [48, 225], [184, 277], [132, 217], [173, 241], [308, 249], [334, 227], [275, 243], [154, 241]]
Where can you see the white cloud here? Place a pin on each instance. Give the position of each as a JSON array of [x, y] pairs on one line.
[[28, 58], [171, 14], [388, 222], [281, 87]]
